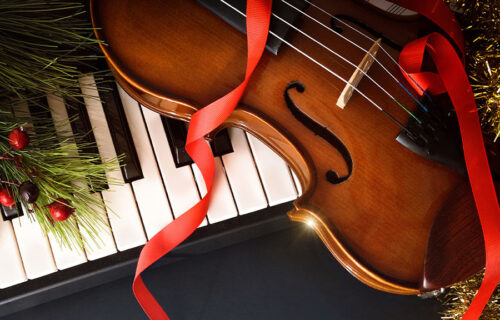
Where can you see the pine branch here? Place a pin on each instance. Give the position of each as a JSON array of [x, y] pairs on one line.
[[43, 47], [59, 171]]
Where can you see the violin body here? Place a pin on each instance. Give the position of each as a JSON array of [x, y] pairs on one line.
[[176, 57]]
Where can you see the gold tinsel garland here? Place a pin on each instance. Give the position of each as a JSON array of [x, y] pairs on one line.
[[480, 21], [459, 296]]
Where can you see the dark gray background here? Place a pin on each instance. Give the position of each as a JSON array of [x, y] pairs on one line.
[[286, 275]]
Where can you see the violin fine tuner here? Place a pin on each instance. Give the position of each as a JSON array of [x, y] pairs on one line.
[[358, 73]]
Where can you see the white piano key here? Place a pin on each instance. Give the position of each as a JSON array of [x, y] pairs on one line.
[[222, 205], [298, 186], [242, 174], [274, 173], [65, 257], [34, 247], [11, 266], [124, 217], [149, 191], [119, 199], [106, 244], [179, 182]]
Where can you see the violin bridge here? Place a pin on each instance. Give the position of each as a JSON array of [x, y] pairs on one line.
[[355, 78]]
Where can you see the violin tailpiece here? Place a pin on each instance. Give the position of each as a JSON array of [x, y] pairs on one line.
[[437, 138]]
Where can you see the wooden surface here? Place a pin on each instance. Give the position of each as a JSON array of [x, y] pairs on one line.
[[174, 57], [455, 243]]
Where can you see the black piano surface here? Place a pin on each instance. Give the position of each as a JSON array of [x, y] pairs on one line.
[[284, 275], [94, 273]]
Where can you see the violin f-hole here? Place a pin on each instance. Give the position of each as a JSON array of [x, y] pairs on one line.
[[331, 175]]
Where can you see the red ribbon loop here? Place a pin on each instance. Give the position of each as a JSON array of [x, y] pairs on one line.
[[202, 123], [410, 60]]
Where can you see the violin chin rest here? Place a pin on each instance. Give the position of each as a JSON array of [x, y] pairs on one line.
[[455, 249]]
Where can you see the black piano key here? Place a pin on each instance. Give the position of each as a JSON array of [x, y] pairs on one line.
[[39, 109], [177, 133], [12, 213], [81, 126], [221, 144], [120, 132]]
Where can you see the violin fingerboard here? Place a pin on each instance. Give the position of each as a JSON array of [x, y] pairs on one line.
[[231, 16]]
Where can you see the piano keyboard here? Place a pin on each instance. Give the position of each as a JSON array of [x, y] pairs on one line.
[[156, 186]]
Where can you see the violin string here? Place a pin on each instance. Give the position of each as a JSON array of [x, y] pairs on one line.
[[328, 70], [371, 39], [356, 45], [347, 61]]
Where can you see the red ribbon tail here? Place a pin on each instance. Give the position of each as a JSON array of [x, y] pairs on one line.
[[202, 123]]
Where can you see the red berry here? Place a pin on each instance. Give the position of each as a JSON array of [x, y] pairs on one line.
[[6, 197], [18, 138], [60, 209]]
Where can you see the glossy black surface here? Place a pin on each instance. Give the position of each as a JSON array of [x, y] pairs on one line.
[[81, 126], [176, 132], [276, 26], [122, 264], [39, 108], [286, 275], [221, 144], [120, 132], [11, 213], [437, 138]]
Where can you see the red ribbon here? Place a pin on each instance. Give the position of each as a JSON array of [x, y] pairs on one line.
[[441, 15], [451, 78], [202, 122]]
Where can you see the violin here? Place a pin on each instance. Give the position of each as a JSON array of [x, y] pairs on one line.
[[382, 178]]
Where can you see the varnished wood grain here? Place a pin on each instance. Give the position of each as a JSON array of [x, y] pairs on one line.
[[174, 57], [454, 227]]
